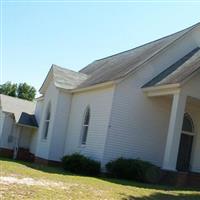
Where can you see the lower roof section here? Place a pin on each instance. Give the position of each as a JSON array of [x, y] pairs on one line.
[[179, 71]]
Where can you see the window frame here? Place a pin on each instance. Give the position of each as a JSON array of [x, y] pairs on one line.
[[85, 126], [189, 118], [46, 122]]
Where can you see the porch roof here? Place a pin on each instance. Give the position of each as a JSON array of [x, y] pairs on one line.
[[179, 71], [28, 120]]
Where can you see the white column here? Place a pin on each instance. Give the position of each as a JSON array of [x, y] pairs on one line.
[[174, 132]]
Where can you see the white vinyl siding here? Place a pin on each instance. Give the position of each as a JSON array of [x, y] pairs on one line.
[[100, 102], [43, 146], [139, 124], [59, 131]]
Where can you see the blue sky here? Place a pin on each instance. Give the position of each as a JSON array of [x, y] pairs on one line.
[[36, 35]]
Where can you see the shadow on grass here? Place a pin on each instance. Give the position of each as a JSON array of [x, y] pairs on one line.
[[61, 171], [160, 196], [150, 186], [43, 168]]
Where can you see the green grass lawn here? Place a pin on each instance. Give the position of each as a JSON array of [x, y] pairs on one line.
[[53, 183]]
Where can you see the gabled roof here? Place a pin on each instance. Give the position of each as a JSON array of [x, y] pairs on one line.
[[179, 71], [67, 79], [111, 68], [63, 78], [16, 106], [118, 66]]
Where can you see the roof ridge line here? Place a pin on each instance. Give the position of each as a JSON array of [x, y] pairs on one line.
[[189, 28], [57, 66], [156, 40], [156, 53]]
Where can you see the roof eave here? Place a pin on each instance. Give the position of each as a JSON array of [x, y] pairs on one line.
[[28, 126], [162, 90], [93, 87], [48, 78], [41, 98]]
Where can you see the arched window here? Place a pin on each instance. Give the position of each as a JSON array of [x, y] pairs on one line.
[[47, 121], [185, 144], [188, 125], [86, 121]]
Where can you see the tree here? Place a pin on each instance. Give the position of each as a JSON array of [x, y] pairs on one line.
[[22, 90], [8, 89], [25, 91]]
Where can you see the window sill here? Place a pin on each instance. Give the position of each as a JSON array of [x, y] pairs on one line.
[[44, 140]]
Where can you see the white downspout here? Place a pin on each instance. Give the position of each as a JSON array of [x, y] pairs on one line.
[[17, 139]]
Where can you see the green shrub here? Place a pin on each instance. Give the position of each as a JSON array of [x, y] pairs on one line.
[[133, 169], [80, 164]]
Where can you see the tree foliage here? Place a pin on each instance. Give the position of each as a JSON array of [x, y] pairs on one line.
[[8, 89], [22, 90], [25, 91]]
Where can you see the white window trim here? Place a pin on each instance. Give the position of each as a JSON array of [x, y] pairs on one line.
[[83, 126], [84, 144], [189, 133], [192, 123], [47, 120]]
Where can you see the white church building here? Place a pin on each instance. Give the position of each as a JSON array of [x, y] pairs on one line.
[[142, 103]]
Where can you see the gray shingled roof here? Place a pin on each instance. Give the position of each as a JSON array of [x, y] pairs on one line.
[[67, 79], [16, 106], [63, 78], [179, 71], [113, 67], [119, 65], [28, 120]]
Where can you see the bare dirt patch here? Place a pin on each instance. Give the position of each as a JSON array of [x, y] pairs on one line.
[[8, 180]]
